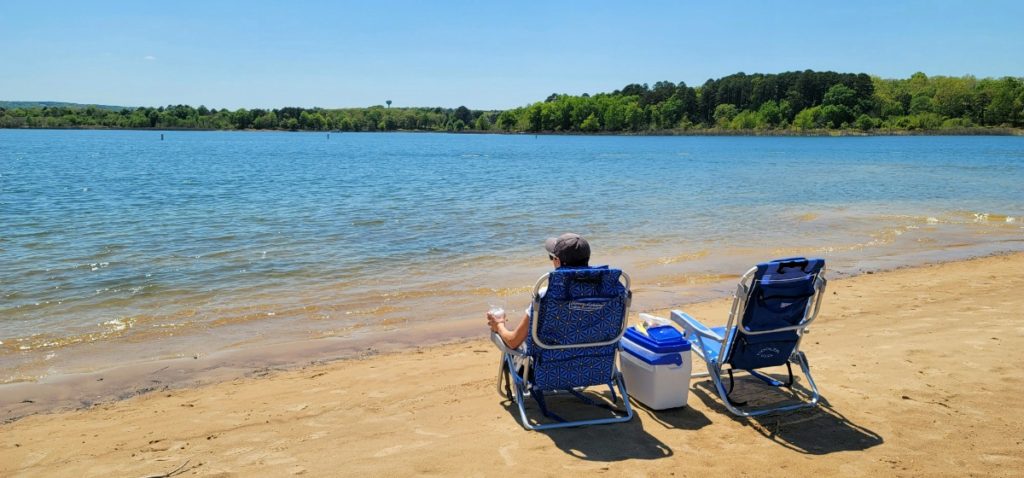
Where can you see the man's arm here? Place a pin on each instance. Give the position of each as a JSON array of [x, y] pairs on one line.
[[512, 337]]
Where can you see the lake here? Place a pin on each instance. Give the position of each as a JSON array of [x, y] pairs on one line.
[[119, 247]]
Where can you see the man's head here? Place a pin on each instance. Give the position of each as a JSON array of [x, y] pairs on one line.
[[571, 249]]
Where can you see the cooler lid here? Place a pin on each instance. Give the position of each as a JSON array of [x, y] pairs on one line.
[[661, 340]]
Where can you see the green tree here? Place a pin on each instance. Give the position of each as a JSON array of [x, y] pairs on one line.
[[615, 116], [953, 96], [865, 122], [772, 113], [835, 116], [266, 121], [809, 118], [635, 118], [1000, 109], [724, 114], [921, 103], [464, 114], [507, 120], [840, 95], [747, 119]]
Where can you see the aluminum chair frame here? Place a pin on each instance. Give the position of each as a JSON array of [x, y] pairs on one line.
[[706, 336]]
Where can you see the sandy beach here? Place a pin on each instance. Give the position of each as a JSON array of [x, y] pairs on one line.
[[918, 367]]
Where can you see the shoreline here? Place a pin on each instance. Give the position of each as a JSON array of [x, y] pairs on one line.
[[910, 363], [710, 132], [66, 392]]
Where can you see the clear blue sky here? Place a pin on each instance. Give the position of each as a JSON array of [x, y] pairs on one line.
[[479, 54]]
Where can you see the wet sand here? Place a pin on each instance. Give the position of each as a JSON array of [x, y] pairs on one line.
[[918, 367]]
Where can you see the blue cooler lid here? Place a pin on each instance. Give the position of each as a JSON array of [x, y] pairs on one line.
[[662, 340]]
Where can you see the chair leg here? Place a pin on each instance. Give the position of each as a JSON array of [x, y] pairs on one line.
[[733, 407], [521, 403], [501, 374], [619, 383], [805, 366], [716, 378], [728, 394]]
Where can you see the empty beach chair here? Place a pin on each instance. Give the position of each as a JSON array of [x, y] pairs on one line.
[[774, 303], [575, 327]]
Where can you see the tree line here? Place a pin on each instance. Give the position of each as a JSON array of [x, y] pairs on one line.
[[376, 118], [796, 101], [791, 101]]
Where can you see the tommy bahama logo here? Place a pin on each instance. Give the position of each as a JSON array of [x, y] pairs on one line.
[[768, 352], [585, 306]]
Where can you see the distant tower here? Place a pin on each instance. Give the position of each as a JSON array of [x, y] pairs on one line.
[[389, 103]]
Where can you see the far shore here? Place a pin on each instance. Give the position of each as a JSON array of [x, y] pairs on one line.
[[980, 131], [917, 368]]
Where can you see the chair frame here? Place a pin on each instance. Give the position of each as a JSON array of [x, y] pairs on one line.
[[705, 335], [521, 383]]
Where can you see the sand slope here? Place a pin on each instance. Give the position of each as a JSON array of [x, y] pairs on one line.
[[921, 370]]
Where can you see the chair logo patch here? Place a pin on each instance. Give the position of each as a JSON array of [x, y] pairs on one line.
[[768, 352], [585, 306]]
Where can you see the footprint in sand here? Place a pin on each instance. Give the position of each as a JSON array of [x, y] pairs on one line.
[[420, 431], [272, 459], [318, 424], [160, 444], [506, 454], [391, 450], [238, 451], [32, 459], [315, 436], [220, 474]]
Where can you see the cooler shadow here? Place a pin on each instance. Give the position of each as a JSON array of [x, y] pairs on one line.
[[605, 443], [813, 431], [681, 418]]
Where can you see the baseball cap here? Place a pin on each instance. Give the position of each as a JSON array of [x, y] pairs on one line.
[[570, 248]]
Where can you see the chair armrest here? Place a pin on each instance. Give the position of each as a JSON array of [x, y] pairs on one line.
[[692, 326], [496, 339]]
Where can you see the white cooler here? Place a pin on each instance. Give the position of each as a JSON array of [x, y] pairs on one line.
[[656, 366]]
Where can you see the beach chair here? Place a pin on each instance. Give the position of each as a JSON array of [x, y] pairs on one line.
[[575, 327], [774, 304]]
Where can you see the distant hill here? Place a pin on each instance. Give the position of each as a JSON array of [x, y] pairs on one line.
[[55, 104]]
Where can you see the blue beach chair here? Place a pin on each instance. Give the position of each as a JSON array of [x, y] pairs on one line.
[[774, 303], [575, 327]]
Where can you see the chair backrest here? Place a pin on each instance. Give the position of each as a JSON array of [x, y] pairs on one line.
[[781, 299], [576, 326]]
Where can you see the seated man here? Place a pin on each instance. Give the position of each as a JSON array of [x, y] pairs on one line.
[[567, 250]]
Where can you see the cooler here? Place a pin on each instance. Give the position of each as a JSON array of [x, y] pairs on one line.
[[656, 366]]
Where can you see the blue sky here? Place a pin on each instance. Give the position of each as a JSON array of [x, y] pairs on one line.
[[479, 54]]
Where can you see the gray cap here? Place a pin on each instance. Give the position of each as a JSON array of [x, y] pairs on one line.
[[570, 248]]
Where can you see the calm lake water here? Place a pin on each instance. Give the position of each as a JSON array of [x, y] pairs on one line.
[[117, 246]]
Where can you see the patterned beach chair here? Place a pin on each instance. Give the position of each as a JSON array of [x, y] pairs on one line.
[[774, 303], [575, 327]]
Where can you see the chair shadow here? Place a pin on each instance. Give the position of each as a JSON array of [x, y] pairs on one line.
[[813, 431], [605, 443]]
